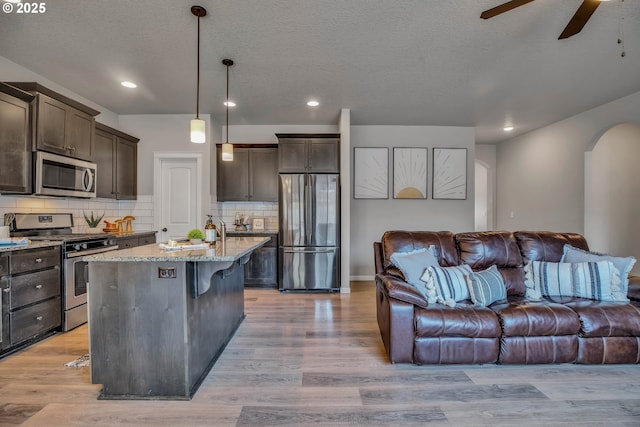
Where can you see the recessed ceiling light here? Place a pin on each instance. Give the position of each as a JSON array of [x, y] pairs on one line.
[[130, 85], [229, 104], [313, 103], [507, 128]]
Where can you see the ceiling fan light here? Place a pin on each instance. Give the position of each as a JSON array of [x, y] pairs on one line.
[[198, 131], [227, 152]]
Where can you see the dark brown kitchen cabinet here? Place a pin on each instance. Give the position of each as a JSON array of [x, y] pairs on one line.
[[261, 271], [62, 125], [116, 157], [30, 283], [251, 176], [308, 153], [15, 140]]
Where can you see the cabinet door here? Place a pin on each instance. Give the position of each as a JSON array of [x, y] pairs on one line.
[[262, 268], [126, 169], [324, 156], [105, 147], [292, 155], [35, 319], [263, 174], [233, 177], [15, 162], [52, 125], [80, 130], [5, 340]]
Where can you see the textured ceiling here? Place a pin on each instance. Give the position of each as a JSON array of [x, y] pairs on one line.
[[392, 62]]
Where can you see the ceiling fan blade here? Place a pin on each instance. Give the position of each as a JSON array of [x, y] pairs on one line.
[[580, 18], [505, 7]]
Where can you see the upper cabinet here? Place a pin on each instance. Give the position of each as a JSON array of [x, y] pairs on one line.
[[251, 176], [308, 153], [62, 125], [116, 157], [15, 140]]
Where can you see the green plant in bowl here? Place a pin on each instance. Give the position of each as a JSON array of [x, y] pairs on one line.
[[91, 220], [195, 236]]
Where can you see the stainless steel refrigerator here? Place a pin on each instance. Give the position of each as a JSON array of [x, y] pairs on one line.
[[309, 232]]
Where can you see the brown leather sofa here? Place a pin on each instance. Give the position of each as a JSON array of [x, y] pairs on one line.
[[515, 331]]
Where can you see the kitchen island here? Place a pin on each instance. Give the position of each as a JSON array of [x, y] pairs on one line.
[[159, 320]]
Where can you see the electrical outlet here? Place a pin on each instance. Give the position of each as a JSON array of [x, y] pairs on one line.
[[167, 272]]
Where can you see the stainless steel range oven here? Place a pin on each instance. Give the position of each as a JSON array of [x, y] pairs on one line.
[[75, 275]]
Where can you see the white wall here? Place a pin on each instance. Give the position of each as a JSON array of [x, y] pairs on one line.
[[371, 218], [612, 198], [541, 174]]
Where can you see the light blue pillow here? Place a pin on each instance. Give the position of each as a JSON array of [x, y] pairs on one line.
[[448, 283], [413, 264], [622, 264], [486, 287], [592, 280]]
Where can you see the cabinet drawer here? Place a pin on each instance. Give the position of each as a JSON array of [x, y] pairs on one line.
[[31, 321], [127, 242], [146, 240], [34, 287], [29, 260], [4, 265]]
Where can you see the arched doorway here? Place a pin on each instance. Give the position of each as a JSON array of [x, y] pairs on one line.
[[612, 192]]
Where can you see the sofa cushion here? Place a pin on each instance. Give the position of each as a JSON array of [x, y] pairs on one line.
[[486, 287], [546, 245], [521, 317], [481, 250], [634, 288], [447, 285], [413, 264], [407, 241], [441, 321], [623, 264], [607, 319], [592, 280]]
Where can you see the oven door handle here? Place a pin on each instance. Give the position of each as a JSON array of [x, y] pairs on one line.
[[92, 252]]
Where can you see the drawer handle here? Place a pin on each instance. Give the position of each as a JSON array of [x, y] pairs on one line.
[[38, 260], [39, 318], [38, 286], [6, 290]]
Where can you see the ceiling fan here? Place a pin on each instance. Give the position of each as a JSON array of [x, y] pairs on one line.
[[574, 26]]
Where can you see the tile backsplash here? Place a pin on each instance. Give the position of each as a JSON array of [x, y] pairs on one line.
[[267, 210], [142, 209]]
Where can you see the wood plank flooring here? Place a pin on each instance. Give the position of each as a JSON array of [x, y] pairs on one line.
[[317, 359]]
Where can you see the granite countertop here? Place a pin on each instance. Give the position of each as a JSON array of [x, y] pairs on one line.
[[32, 245], [233, 249]]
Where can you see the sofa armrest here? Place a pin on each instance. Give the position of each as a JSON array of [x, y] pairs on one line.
[[634, 288], [397, 288]]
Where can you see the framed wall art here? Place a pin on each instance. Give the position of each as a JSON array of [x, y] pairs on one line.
[[370, 173], [450, 173], [409, 173]]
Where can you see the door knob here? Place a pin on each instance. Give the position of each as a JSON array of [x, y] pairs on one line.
[[164, 230]]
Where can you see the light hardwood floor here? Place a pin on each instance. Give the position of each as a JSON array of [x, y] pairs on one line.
[[317, 359]]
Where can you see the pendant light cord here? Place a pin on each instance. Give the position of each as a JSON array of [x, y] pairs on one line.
[[227, 103], [198, 76]]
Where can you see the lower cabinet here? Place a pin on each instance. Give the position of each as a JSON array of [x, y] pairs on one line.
[[30, 295], [262, 269], [125, 242]]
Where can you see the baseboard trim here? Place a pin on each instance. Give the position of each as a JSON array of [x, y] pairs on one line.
[[362, 278]]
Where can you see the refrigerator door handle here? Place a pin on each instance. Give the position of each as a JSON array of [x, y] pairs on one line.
[[308, 251], [307, 209]]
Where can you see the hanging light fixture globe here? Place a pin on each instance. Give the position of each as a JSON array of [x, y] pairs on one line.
[[198, 129], [227, 147]]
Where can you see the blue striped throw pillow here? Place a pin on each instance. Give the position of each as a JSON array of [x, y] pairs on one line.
[[449, 283], [486, 287], [593, 280]]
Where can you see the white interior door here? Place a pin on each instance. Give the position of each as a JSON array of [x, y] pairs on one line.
[[177, 196], [481, 197]]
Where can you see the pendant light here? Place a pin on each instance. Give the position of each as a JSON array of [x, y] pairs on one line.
[[198, 130], [227, 147]]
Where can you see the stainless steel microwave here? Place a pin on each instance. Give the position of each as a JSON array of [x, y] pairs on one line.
[[63, 176]]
